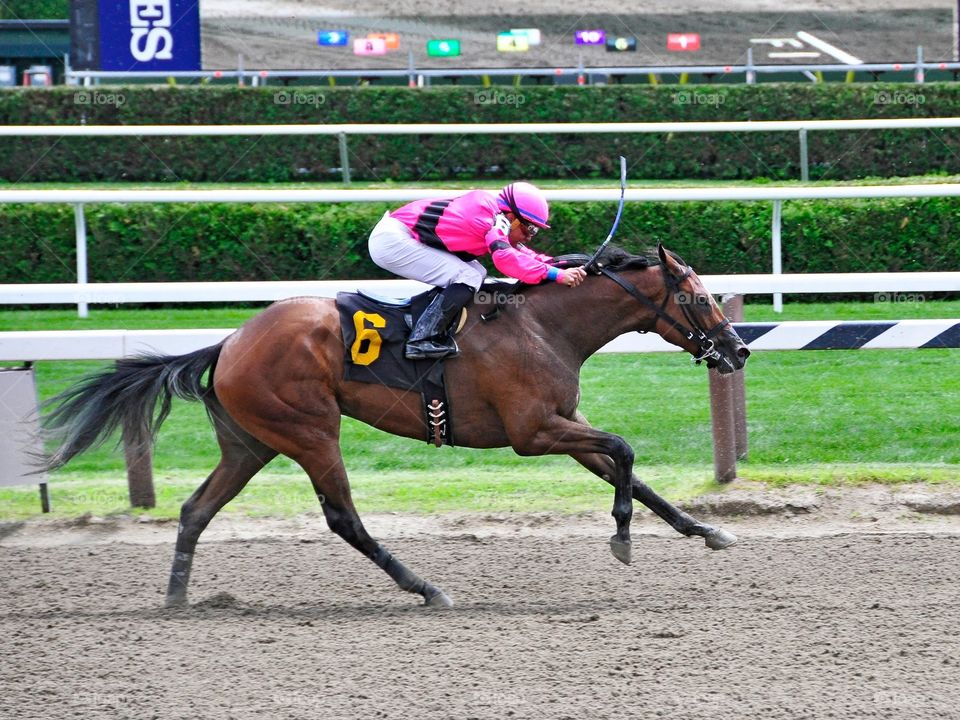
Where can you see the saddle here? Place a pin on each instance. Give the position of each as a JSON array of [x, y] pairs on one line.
[[375, 329]]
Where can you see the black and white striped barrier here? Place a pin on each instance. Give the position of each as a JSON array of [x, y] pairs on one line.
[[25, 346], [851, 335], [821, 335]]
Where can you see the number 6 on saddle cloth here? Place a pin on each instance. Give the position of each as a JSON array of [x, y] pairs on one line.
[[375, 330]]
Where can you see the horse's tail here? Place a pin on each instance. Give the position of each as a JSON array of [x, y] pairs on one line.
[[87, 413]]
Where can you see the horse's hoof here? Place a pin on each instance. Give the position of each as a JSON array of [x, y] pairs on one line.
[[175, 601], [718, 539], [439, 600], [620, 550]]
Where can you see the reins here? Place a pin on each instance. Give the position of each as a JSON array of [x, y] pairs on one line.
[[694, 333]]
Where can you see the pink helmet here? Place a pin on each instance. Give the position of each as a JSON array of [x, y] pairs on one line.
[[526, 201]]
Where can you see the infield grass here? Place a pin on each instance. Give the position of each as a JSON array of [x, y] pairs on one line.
[[820, 417]]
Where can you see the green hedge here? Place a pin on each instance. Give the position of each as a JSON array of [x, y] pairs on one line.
[[311, 242], [35, 10], [833, 155]]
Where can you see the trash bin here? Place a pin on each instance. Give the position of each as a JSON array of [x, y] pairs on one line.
[[8, 76]]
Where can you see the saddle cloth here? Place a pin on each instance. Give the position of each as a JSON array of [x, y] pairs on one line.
[[374, 334]]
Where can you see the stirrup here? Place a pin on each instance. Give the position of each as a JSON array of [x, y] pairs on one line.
[[431, 349]]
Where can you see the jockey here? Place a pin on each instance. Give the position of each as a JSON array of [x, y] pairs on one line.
[[438, 242]]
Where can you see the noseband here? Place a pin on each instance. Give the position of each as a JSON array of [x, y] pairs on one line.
[[704, 340]]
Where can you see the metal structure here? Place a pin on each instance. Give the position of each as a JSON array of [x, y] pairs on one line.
[[580, 74]]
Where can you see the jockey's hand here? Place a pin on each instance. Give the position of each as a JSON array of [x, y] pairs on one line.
[[572, 276]]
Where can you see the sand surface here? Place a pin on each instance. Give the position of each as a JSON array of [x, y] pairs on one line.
[[832, 605], [283, 35]]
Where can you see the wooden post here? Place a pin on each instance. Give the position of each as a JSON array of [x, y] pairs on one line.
[[733, 309], [728, 414], [139, 457], [724, 435]]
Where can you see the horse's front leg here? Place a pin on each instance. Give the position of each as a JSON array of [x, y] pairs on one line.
[[714, 537], [560, 436], [604, 467]]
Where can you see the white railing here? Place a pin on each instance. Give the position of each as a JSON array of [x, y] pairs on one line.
[[35, 345], [342, 131], [269, 291], [776, 194], [556, 128], [674, 194]]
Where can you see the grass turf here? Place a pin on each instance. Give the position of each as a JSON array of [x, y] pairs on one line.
[[821, 417]]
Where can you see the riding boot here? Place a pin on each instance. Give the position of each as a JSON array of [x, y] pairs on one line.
[[431, 337]]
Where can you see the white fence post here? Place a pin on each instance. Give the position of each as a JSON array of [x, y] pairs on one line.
[[80, 223], [804, 156], [344, 158], [776, 251]]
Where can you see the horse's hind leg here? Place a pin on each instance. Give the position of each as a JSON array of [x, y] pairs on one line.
[[603, 467], [324, 465], [241, 457]]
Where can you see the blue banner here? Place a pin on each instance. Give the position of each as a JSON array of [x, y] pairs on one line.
[[333, 37], [149, 35]]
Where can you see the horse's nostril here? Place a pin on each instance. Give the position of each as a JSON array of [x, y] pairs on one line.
[[743, 352]]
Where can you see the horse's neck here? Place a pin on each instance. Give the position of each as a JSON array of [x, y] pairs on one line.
[[585, 319]]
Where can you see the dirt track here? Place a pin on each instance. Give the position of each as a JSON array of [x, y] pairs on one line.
[[801, 619], [284, 34]]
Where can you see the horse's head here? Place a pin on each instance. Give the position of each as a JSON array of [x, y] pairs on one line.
[[690, 318], [682, 310]]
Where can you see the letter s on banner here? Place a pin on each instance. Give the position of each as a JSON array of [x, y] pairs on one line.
[[152, 49]]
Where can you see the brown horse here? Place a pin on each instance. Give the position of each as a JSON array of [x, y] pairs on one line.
[[277, 385]]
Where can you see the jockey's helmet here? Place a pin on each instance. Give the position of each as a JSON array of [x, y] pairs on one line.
[[526, 201]]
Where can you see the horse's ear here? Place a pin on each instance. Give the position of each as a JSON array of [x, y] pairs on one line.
[[662, 253], [667, 261]]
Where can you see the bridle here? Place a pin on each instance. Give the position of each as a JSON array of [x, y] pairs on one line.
[[704, 339]]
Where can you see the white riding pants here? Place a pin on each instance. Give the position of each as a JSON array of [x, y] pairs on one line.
[[393, 247]]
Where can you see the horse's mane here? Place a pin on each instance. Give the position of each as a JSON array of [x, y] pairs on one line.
[[612, 258], [616, 258]]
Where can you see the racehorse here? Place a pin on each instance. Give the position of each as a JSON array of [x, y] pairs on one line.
[[277, 385]]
